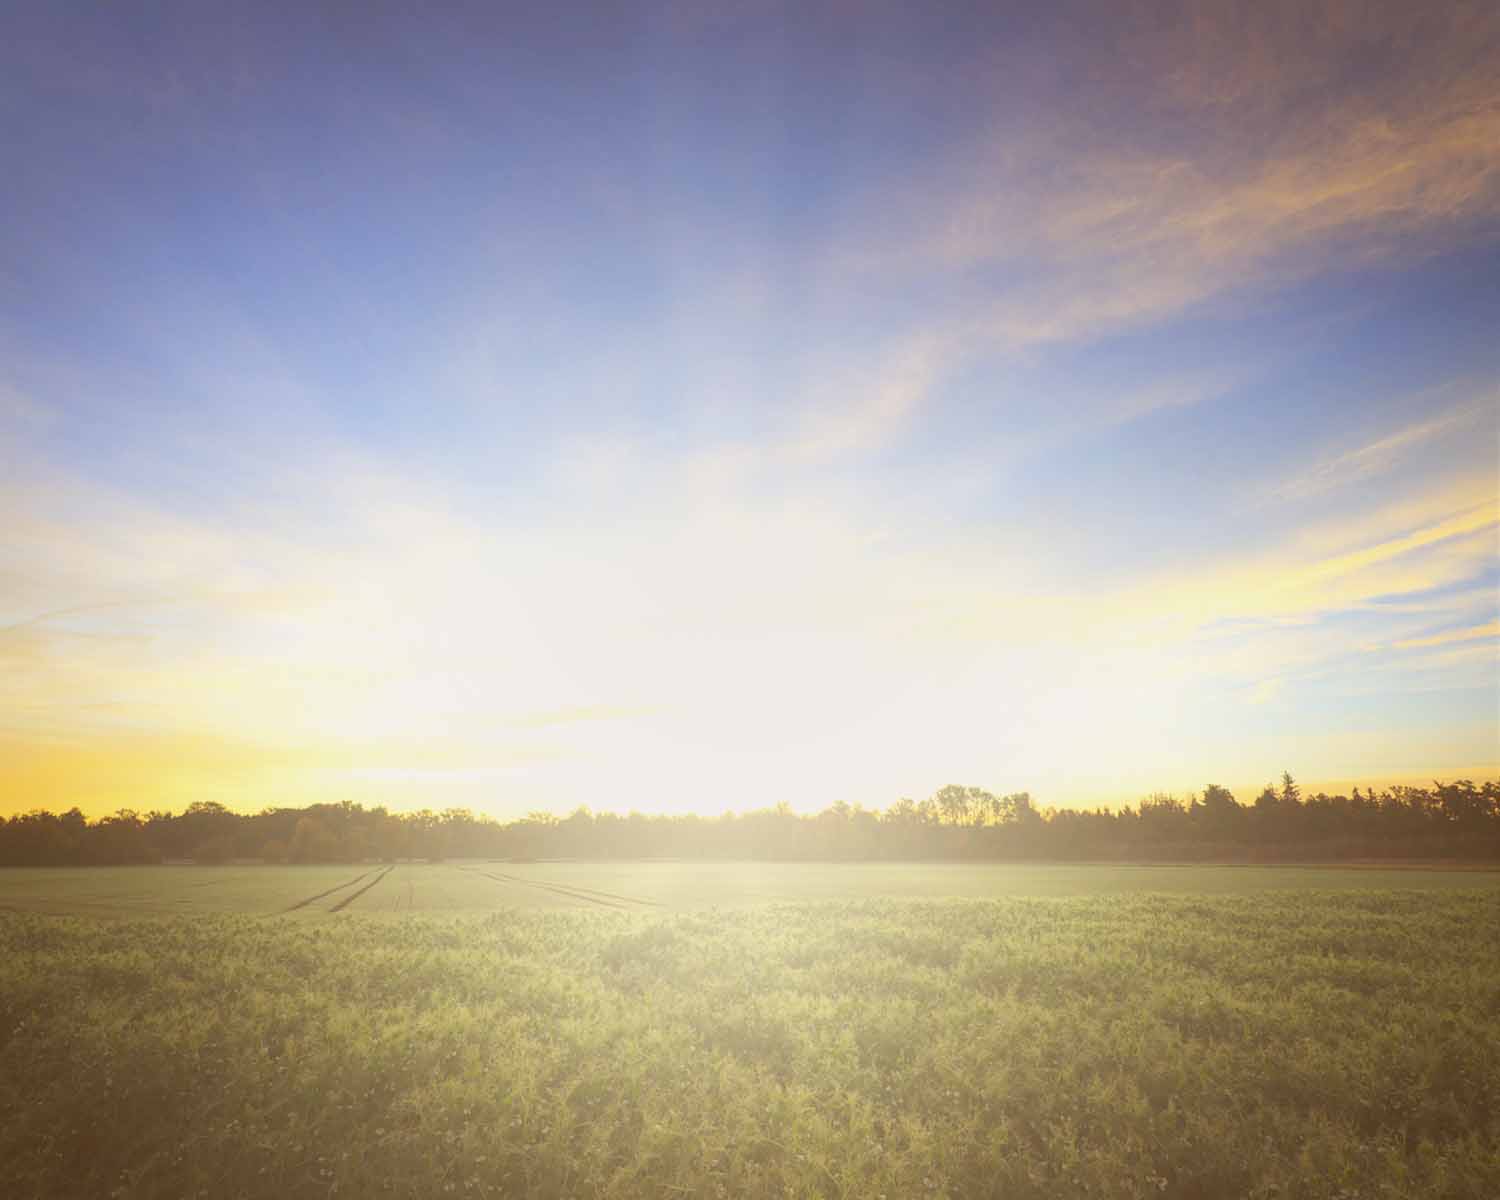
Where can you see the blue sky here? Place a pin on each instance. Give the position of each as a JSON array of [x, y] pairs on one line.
[[695, 406]]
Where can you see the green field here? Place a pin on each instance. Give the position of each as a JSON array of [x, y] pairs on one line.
[[481, 886], [724, 1030]]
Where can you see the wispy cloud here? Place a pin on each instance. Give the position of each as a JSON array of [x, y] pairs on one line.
[[1448, 637], [1082, 221], [1381, 456], [867, 406]]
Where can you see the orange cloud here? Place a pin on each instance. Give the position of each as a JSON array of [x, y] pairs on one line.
[[1273, 165]]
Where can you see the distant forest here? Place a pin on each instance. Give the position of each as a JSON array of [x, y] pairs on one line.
[[1459, 820]]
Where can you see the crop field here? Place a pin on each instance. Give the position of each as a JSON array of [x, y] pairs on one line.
[[481, 886], [731, 1030]]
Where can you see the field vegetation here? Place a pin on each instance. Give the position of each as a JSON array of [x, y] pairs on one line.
[[477, 885], [1281, 1043]]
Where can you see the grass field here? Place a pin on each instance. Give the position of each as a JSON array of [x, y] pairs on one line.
[[480, 886], [897, 1032]]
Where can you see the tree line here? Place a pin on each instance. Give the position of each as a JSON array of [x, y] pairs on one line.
[[1458, 820]]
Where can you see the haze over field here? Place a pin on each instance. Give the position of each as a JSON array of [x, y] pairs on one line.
[[691, 408]]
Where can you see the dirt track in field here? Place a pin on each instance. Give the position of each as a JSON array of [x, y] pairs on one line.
[[336, 888], [605, 899], [353, 896]]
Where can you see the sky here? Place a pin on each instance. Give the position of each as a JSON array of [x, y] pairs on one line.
[[691, 407]]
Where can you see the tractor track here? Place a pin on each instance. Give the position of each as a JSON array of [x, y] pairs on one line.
[[338, 888], [592, 896], [555, 888], [584, 891], [353, 896]]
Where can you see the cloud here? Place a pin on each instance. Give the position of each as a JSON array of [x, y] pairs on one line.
[[864, 408], [1228, 150], [1326, 573], [1381, 456], [1448, 637], [1096, 185]]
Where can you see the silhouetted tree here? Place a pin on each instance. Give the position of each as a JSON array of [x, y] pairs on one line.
[[1449, 820]]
